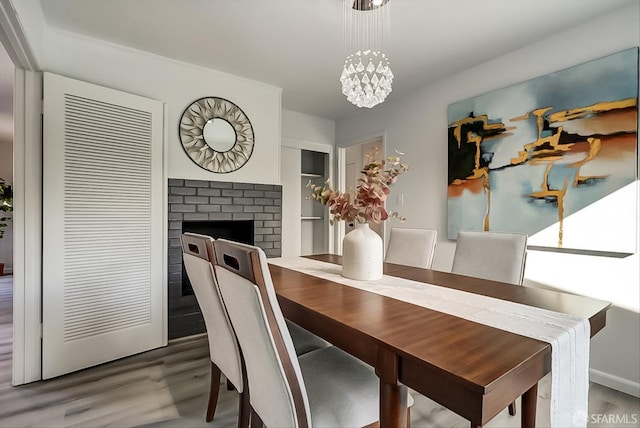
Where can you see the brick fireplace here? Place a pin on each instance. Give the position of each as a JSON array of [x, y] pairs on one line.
[[194, 202]]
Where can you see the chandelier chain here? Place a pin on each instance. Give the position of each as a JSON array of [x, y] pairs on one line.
[[366, 76]]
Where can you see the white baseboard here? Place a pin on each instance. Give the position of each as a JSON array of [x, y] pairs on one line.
[[615, 382]]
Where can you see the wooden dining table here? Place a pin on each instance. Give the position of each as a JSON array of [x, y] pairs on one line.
[[470, 368]]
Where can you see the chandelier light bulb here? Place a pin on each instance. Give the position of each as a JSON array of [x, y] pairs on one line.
[[366, 78]]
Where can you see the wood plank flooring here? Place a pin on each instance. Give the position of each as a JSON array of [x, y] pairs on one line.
[[168, 388]]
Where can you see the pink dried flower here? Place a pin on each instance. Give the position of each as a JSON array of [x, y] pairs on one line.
[[370, 193]]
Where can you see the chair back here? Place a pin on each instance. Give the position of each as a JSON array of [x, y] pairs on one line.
[[491, 255], [198, 257], [278, 392], [412, 247]]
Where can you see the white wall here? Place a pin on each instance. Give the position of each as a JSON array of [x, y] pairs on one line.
[[299, 131], [300, 126], [417, 125], [176, 84]]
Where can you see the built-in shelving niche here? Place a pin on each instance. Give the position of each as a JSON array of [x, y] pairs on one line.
[[314, 167]]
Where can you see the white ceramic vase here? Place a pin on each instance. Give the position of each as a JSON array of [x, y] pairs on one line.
[[362, 254]]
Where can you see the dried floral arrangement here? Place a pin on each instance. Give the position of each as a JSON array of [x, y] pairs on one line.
[[365, 203]]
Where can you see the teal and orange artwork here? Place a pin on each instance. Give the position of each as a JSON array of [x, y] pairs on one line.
[[555, 157]]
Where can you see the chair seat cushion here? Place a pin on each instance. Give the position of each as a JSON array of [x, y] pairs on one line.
[[343, 391], [303, 340]]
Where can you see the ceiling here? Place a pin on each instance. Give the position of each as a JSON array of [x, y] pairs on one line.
[[298, 45]]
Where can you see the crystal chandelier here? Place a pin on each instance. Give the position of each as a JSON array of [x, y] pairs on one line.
[[366, 77]]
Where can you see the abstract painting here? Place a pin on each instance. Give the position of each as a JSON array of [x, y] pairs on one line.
[[554, 157]]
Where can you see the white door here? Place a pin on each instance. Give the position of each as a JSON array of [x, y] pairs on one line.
[[103, 225]]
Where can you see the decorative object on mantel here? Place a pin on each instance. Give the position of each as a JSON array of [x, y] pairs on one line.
[[366, 76], [554, 157], [216, 134], [362, 250], [6, 207]]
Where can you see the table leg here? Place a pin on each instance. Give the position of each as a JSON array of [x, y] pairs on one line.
[[393, 394], [529, 403], [393, 405]]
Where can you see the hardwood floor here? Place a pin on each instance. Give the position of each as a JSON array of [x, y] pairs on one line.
[[168, 387]]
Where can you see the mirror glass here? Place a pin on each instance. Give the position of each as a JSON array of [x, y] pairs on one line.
[[219, 135]]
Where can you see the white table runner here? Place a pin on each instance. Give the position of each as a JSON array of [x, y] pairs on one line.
[[568, 335]]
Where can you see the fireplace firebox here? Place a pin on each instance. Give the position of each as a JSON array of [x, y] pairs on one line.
[[197, 206], [238, 230]]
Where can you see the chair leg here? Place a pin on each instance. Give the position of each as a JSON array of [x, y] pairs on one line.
[[512, 409], [244, 410], [214, 389], [256, 422]]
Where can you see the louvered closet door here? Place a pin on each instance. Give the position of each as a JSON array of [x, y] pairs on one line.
[[102, 225]]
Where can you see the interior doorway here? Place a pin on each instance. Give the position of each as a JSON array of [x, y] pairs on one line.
[[356, 156], [350, 162], [6, 233], [6, 154], [26, 269]]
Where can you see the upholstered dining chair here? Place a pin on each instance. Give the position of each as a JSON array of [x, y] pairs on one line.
[[198, 257], [412, 247], [325, 387], [496, 256], [197, 253], [491, 255]]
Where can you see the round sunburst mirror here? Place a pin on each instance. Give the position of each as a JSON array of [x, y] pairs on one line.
[[216, 134]]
